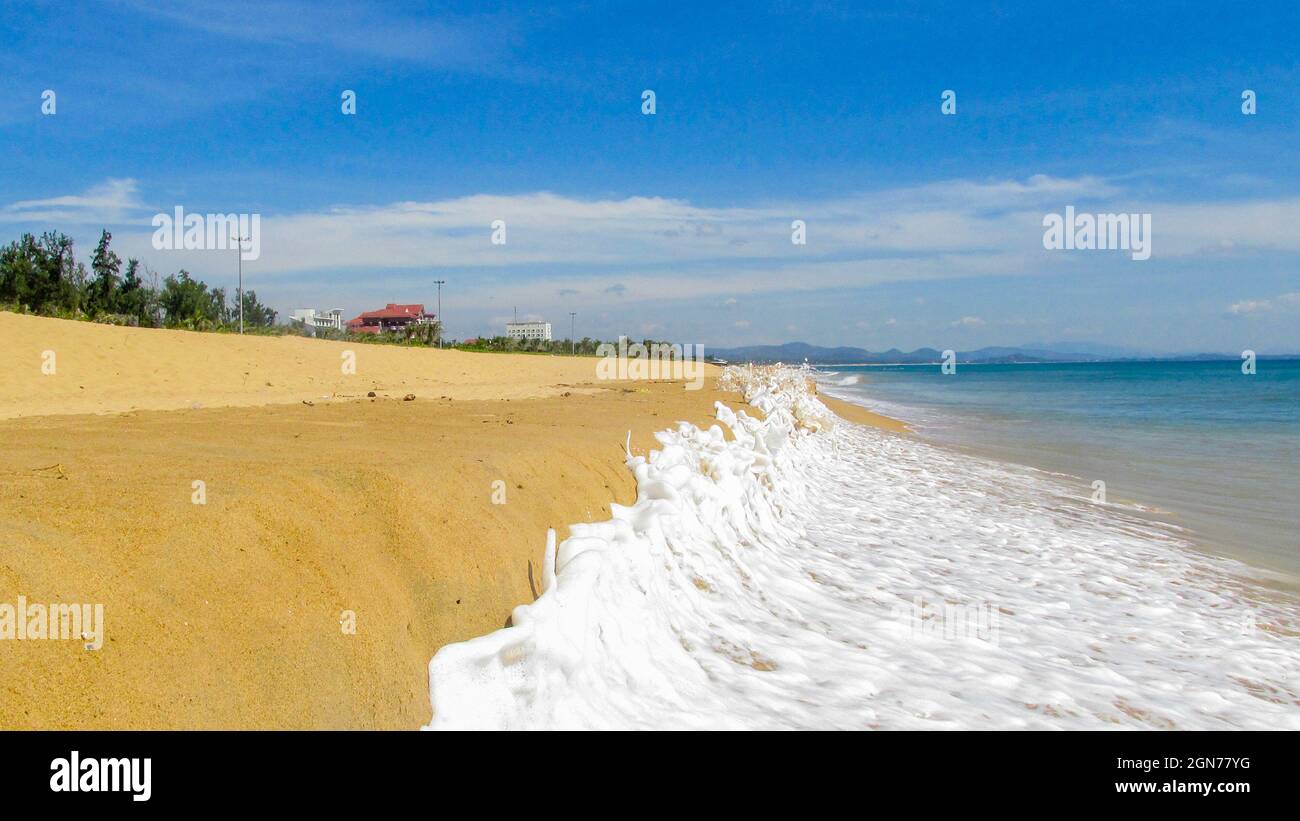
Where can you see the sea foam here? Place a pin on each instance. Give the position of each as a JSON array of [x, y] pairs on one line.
[[810, 573]]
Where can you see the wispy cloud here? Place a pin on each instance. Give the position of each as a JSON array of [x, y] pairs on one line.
[[935, 221], [588, 250], [110, 203], [1288, 302], [387, 33]]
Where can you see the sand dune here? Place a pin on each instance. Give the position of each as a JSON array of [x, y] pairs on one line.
[[227, 614], [102, 368]]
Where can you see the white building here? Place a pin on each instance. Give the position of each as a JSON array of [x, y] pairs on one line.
[[333, 318], [529, 330]]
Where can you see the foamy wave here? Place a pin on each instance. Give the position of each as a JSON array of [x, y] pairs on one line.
[[809, 574]]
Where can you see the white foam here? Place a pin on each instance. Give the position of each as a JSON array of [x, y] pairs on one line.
[[773, 580]]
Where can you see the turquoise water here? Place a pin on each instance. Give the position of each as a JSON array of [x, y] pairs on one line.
[[1199, 445]]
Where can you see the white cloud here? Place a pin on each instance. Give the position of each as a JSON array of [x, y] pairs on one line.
[[1223, 228], [643, 248], [1250, 307], [969, 322], [378, 32], [545, 228], [109, 203]]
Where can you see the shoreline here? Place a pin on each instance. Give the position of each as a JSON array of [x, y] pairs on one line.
[[800, 593], [860, 415], [1265, 570]]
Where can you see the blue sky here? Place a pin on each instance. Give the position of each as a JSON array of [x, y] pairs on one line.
[[923, 229]]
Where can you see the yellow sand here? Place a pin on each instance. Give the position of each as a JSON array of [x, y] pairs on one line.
[[862, 416], [227, 614], [101, 368]]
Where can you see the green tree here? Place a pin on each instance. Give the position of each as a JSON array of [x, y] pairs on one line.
[[256, 314], [102, 290], [40, 275], [65, 277], [22, 267], [187, 302], [135, 299]]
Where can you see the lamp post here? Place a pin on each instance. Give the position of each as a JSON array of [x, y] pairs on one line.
[[239, 256], [441, 325], [573, 343]]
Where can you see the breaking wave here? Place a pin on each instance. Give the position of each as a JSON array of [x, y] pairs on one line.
[[810, 573]]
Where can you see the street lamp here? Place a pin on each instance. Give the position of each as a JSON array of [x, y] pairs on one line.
[[239, 255], [442, 326], [573, 344]]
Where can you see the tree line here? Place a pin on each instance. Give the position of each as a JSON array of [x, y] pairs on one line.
[[42, 276], [582, 347]]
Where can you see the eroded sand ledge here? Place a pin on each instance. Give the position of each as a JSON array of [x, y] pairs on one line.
[[226, 615]]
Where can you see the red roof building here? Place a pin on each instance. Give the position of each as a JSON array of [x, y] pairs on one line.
[[392, 317]]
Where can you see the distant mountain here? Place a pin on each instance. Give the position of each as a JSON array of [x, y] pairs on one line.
[[1095, 349], [1037, 352], [799, 351]]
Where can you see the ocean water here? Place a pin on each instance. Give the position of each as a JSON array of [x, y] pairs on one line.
[[809, 573], [1197, 445]]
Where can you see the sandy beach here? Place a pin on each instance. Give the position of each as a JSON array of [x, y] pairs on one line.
[[227, 614], [104, 369]]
